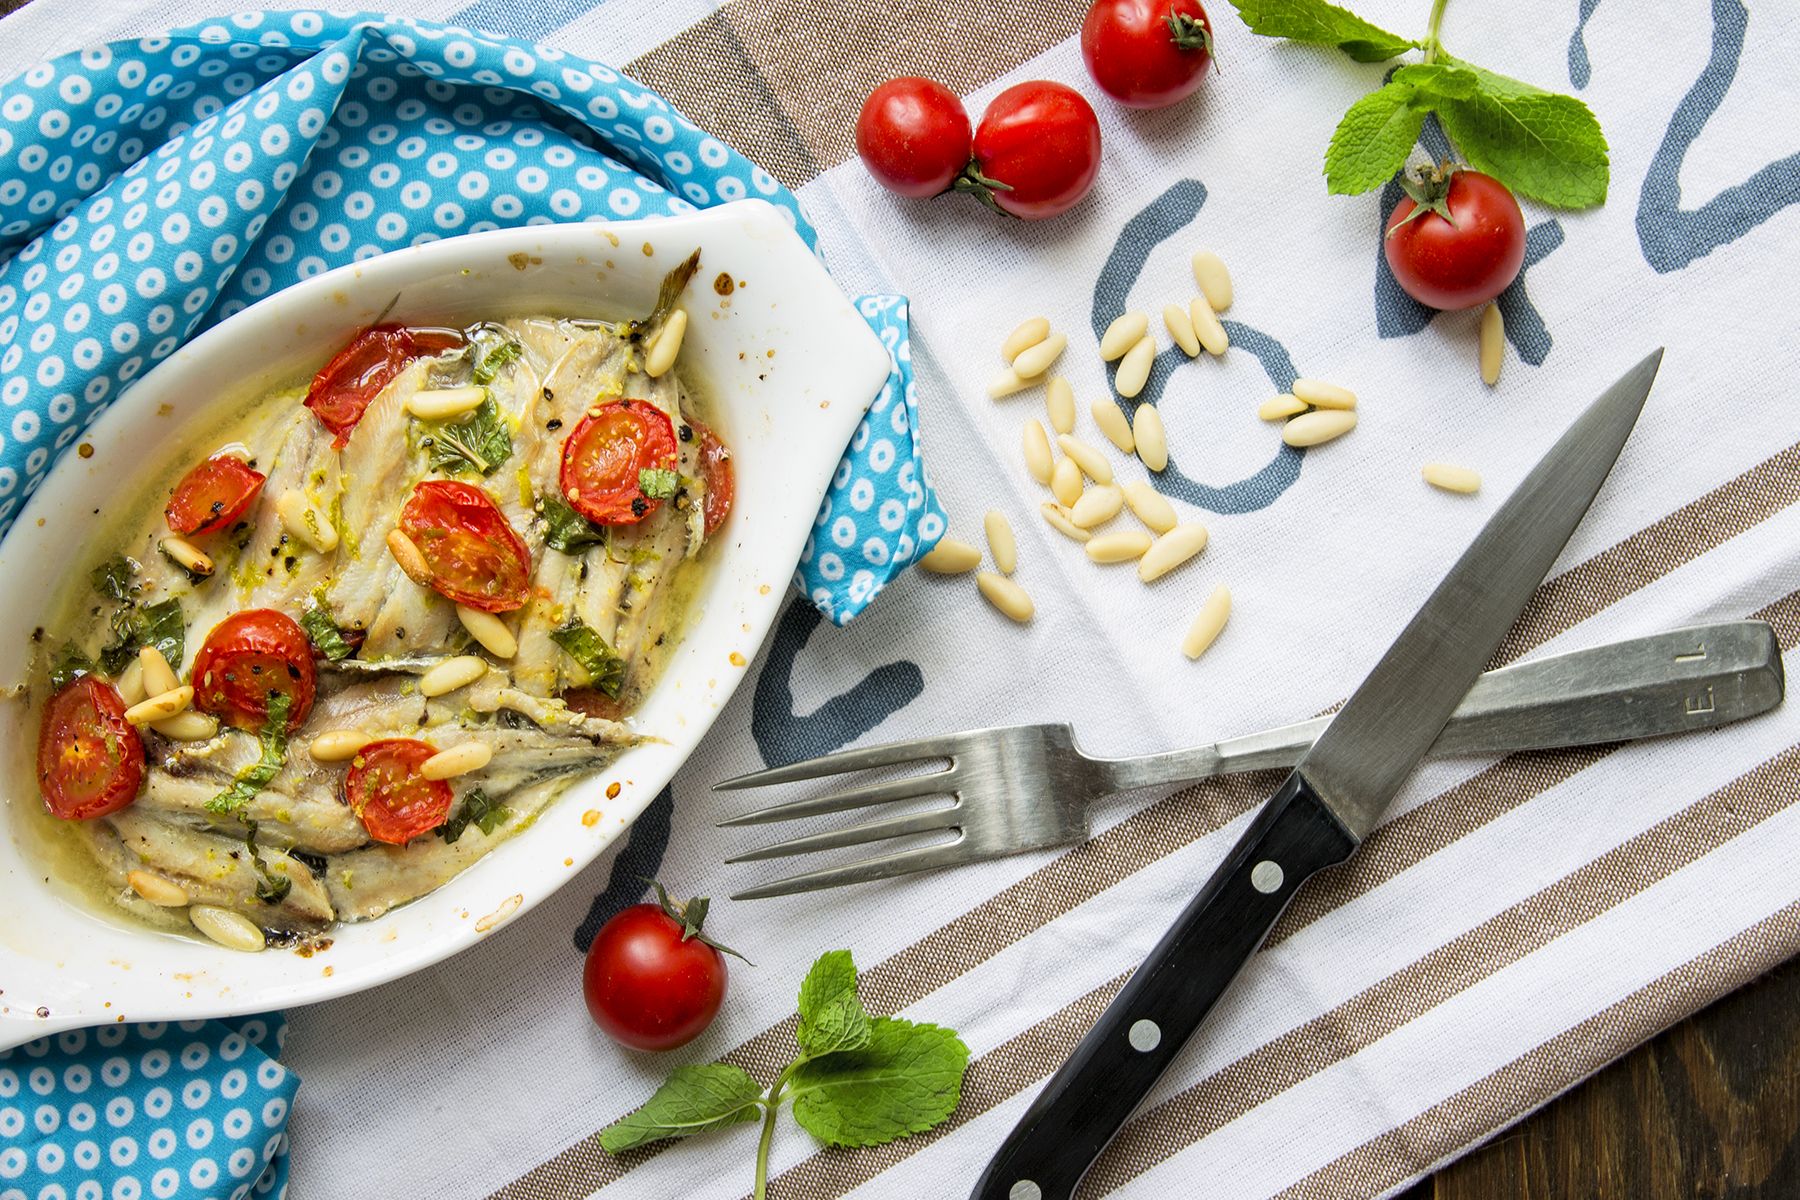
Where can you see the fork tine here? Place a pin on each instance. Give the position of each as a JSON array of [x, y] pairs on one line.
[[901, 862], [876, 793], [855, 835], [843, 761]]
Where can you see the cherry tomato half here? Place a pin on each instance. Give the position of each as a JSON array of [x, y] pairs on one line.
[[90, 760], [213, 495], [721, 479], [388, 795], [343, 391], [604, 454], [1037, 150], [474, 555], [247, 659], [1465, 259], [645, 986], [913, 135], [1147, 53]]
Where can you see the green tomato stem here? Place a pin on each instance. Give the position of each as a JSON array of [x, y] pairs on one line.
[[1431, 43], [762, 1148]]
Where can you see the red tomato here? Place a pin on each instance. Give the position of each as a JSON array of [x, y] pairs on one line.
[[913, 136], [475, 556], [388, 795], [90, 760], [604, 454], [249, 657], [1455, 242], [1037, 150], [646, 986], [1147, 53], [721, 481], [213, 495], [356, 374]]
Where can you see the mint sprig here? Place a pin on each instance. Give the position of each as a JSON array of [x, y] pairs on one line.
[[857, 1080]]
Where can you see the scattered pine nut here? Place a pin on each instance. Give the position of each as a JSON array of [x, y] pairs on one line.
[[951, 556], [1059, 400], [459, 759], [167, 704], [306, 523], [1207, 327], [451, 674], [1213, 278], [1097, 506], [1038, 459], [1001, 543], [1065, 481], [159, 676], [130, 683], [1093, 464], [1320, 394], [1027, 335], [1181, 328], [232, 930], [1005, 595], [339, 745], [1451, 478], [489, 630], [1208, 623], [187, 726], [440, 404], [1114, 424], [1171, 550], [164, 893], [1122, 546], [1124, 333], [411, 561], [1493, 343], [186, 555], [1150, 506], [1037, 360], [1152, 440], [667, 345], [1006, 383], [1058, 518], [1134, 368], [1280, 408], [1315, 428]]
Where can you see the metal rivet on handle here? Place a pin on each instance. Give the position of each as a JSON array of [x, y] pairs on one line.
[[1025, 1190], [1144, 1036], [1266, 876]]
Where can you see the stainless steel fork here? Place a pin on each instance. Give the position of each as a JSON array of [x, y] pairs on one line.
[[1027, 787]]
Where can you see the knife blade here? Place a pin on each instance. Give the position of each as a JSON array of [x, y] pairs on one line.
[[1321, 814]]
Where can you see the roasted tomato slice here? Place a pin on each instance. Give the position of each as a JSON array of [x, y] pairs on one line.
[[474, 555], [247, 659], [394, 802], [90, 761], [721, 483], [604, 454], [213, 495], [356, 374]]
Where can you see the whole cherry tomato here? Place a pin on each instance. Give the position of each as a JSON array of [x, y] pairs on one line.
[[1457, 239], [349, 383], [913, 136], [471, 550], [390, 797], [248, 659], [606, 454], [212, 495], [652, 979], [1147, 53], [716, 470], [90, 761], [1037, 151]]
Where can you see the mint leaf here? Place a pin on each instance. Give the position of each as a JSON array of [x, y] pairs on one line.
[[606, 670], [905, 1080], [1540, 144], [1373, 139], [116, 578], [479, 441], [494, 361], [324, 634], [694, 1100], [565, 529], [1321, 24], [260, 774], [479, 810], [831, 1014], [69, 665]]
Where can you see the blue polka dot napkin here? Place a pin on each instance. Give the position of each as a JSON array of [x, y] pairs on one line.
[[158, 186]]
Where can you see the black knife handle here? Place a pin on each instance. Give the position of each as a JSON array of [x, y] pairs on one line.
[[1090, 1097]]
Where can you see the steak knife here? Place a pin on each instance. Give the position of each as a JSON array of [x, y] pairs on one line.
[[1321, 814]]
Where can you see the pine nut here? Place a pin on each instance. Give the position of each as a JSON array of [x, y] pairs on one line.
[[164, 893], [1006, 383], [1451, 478], [440, 404], [188, 726], [1314, 428], [130, 683], [232, 930], [1005, 595], [1037, 360], [187, 556], [1058, 518], [1208, 623], [459, 759], [451, 674], [1065, 481], [1134, 368], [159, 677], [1114, 424], [412, 563], [667, 345], [1059, 401], [1025, 337], [1001, 543], [1097, 506], [1125, 332], [1320, 394], [1213, 278], [1207, 327], [951, 556], [167, 704], [1152, 441], [1150, 506], [1181, 328], [1118, 547], [339, 745], [1093, 464], [1280, 408], [306, 523], [1171, 550], [1493, 343], [489, 630]]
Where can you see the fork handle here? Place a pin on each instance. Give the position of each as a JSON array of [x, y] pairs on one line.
[[1112, 1070]]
